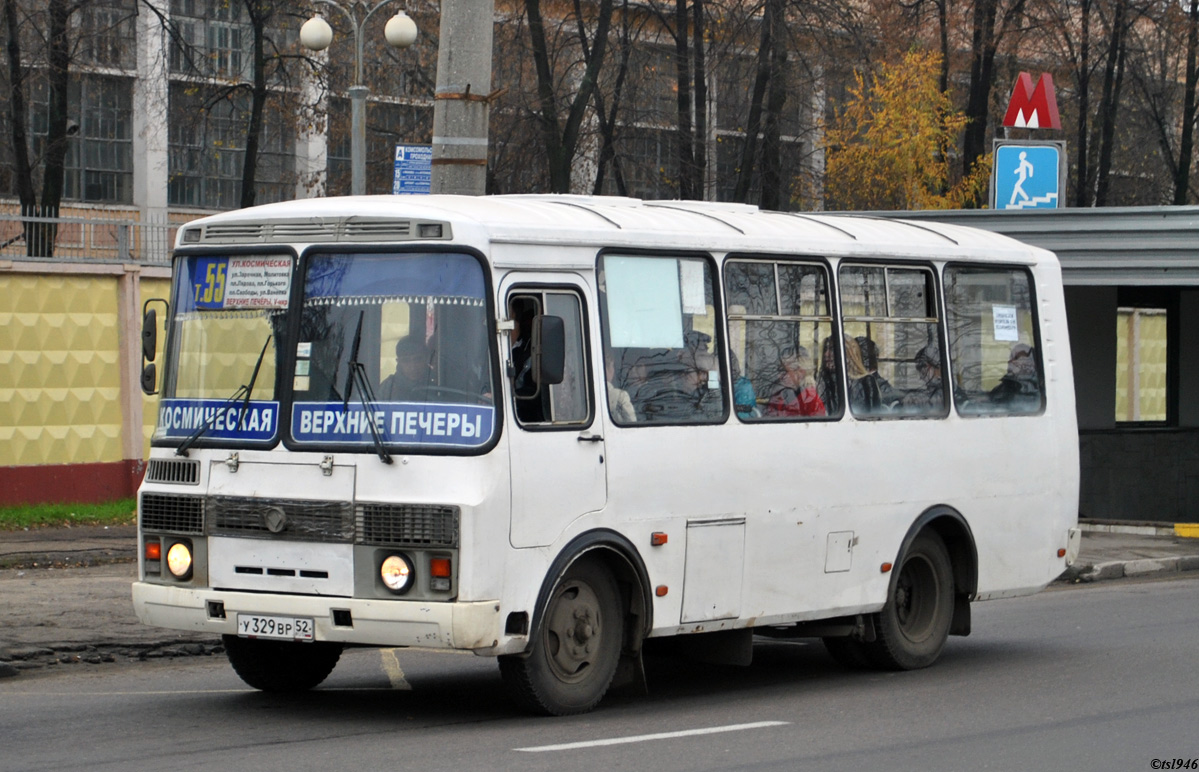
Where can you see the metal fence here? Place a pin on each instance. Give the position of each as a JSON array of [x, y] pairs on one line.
[[86, 238]]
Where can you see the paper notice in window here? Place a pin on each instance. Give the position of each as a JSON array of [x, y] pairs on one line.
[[258, 282], [691, 274], [1006, 327]]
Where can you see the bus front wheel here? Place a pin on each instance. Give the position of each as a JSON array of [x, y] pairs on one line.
[[281, 666], [914, 625], [576, 646]]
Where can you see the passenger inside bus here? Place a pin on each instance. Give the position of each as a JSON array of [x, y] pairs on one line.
[[1018, 388], [745, 398], [530, 399], [828, 384], [930, 398], [672, 385], [618, 399], [869, 392], [796, 393]]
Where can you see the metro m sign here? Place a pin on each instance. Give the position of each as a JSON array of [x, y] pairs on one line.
[[1032, 108]]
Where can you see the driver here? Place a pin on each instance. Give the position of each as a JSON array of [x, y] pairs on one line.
[[413, 374]]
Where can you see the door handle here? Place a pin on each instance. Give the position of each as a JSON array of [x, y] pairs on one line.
[[590, 438]]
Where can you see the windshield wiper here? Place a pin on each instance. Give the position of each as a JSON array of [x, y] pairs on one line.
[[356, 373], [244, 392]]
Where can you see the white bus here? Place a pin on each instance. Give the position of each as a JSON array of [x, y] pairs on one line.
[[552, 428]]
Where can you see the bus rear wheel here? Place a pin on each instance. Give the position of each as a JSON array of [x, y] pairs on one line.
[[914, 624], [576, 646], [281, 666]]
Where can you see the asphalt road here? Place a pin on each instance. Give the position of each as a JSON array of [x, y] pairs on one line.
[[1098, 677]]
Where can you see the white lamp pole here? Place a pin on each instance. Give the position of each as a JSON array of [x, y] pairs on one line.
[[316, 34]]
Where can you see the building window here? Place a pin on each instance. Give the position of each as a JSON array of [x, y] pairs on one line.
[[1141, 364], [98, 167], [207, 153], [105, 34], [214, 38]]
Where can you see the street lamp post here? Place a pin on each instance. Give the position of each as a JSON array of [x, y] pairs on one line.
[[316, 34]]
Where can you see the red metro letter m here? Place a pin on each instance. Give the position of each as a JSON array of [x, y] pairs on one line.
[[1032, 108]]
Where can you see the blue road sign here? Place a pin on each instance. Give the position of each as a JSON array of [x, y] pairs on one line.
[[413, 169], [1027, 176]]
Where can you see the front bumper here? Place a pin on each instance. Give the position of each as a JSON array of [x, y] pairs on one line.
[[469, 626]]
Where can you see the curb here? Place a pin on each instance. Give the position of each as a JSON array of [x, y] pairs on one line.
[[1120, 569], [1130, 527], [16, 659]]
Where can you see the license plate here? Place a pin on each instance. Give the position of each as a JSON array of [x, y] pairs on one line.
[[288, 628]]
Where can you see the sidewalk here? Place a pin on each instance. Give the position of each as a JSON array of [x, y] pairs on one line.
[[65, 592]]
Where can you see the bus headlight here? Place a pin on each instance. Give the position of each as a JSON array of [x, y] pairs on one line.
[[179, 560], [396, 573]]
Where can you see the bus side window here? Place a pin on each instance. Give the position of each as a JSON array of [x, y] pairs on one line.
[[993, 341], [892, 342], [565, 402], [780, 339], [659, 318]]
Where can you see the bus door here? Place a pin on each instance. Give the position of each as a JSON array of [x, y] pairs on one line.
[[557, 446]]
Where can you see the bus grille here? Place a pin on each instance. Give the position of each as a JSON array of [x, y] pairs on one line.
[[180, 472], [172, 514], [408, 524], [326, 521]]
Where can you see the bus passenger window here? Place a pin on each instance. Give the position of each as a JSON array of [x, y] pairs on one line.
[[892, 341], [780, 335], [992, 339], [659, 322]]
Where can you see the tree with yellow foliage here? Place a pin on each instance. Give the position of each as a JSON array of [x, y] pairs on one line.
[[890, 148]]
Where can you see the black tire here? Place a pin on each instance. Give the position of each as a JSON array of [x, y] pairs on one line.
[[281, 666], [576, 646], [849, 652], [914, 625]]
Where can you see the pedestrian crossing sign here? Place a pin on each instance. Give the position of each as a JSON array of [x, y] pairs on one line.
[[1028, 175]]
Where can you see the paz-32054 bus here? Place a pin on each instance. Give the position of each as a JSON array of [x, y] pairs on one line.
[[549, 429]]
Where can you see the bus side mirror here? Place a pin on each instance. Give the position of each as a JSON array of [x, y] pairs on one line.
[[149, 376], [149, 335], [549, 349]]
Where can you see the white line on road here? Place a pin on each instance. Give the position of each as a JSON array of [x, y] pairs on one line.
[[647, 737], [395, 674]]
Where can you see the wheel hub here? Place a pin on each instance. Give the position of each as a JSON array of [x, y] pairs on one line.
[[574, 631]]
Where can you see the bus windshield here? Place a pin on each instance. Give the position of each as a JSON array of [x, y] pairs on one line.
[[393, 349], [221, 379]]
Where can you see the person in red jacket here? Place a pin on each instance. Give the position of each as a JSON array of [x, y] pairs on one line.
[[796, 395]]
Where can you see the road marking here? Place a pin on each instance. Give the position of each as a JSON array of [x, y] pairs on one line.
[[395, 674], [647, 737]]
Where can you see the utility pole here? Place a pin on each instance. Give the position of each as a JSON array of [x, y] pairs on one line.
[[463, 98]]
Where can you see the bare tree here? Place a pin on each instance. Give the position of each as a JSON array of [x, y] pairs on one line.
[[42, 43], [561, 137], [993, 22], [1182, 171], [1162, 67]]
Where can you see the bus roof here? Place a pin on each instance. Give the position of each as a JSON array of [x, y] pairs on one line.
[[601, 221]]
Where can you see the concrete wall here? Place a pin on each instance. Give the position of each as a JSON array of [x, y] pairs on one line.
[[1188, 358], [74, 425], [1146, 474], [1091, 316]]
